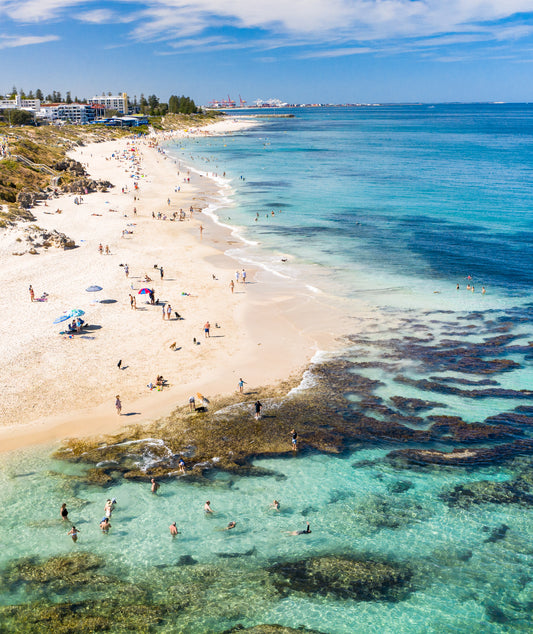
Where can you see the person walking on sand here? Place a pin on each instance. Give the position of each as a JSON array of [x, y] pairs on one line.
[[155, 485], [100, 249], [32, 293], [169, 311], [126, 270], [164, 311], [161, 273], [192, 404], [73, 532], [131, 301], [207, 327], [232, 285], [258, 407], [243, 275], [237, 276], [118, 405], [173, 529], [241, 385], [64, 512], [294, 439]]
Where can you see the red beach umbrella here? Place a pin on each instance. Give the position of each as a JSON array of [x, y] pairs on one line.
[[145, 291]]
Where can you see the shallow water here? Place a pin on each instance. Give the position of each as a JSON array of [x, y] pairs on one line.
[[387, 205]]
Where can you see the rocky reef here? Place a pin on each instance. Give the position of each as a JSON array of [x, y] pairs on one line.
[[344, 577]]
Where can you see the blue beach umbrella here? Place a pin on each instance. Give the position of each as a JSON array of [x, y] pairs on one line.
[[63, 317], [75, 312], [93, 289]]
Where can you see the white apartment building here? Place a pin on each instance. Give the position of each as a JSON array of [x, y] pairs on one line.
[[112, 102], [20, 104], [71, 112]]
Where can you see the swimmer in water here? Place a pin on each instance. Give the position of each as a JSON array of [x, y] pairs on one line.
[[173, 529], [230, 526], [73, 532], [155, 485], [275, 505], [304, 532], [207, 507], [105, 525]]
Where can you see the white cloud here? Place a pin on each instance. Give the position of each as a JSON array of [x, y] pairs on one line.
[[338, 52], [344, 25], [12, 41]]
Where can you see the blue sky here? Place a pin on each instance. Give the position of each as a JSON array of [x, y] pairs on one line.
[[296, 50]]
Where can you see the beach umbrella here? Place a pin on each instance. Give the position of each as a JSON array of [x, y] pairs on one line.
[[145, 291], [75, 312], [93, 289], [63, 317]]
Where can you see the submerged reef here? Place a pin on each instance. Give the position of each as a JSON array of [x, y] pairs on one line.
[[344, 578], [517, 490]]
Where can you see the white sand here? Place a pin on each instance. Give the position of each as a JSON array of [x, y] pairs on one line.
[[54, 386]]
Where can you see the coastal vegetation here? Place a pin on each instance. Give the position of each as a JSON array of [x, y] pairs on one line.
[[35, 163]]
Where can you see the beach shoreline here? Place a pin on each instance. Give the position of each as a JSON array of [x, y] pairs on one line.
[[61, 386]]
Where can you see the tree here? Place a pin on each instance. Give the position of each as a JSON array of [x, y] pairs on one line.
[[143, 104], [69, 98], [19, 117], [39, 94], [31, 95], [14, 92], [49, 98], [153, 102]]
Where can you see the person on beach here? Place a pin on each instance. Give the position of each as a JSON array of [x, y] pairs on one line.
[[107, 249], [161, 273], [192, 404], [64, 512], [173, 529], [304, 532], [241, 385], [151, 295], [243, 275], [100, 249], [237, 276], [207, 507], [207, 327], [32, 293], [181, 465], [294, 439], [118, 404], [155, 486], [131, 301], [258, 406], [126, 270], [169, 311], [164, 311], [201, 230], [73, 532], [105, 525], [232, 285], [483, 290]]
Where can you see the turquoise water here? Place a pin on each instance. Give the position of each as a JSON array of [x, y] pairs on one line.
[[393, 206]]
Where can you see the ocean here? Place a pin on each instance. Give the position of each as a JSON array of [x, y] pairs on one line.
[[423, 522]]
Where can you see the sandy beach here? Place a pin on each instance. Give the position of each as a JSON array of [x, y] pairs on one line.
[[57, 386]]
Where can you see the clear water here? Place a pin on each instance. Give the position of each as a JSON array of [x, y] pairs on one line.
[[392, 206]]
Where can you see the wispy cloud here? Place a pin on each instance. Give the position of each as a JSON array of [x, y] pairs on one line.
[[12, 41], [337, 52], [343, 27]]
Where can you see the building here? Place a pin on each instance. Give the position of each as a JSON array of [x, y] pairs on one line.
[[112, 102], [20, 104], [78, 113]]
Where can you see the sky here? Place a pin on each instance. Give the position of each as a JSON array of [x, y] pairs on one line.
[[300, 51]]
